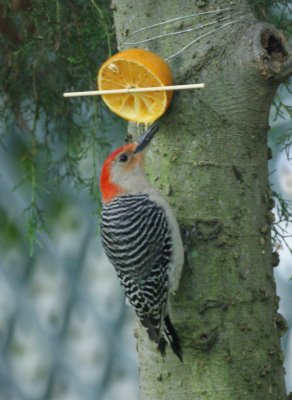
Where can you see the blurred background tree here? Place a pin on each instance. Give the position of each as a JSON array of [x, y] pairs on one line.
[[64, 326], [65, 332]]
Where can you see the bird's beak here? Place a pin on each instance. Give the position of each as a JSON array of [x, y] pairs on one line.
[[146, 137]]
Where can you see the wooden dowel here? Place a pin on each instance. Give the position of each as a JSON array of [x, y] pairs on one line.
[[135, 90]]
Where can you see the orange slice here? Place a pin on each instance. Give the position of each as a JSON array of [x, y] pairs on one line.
[[136, 68]]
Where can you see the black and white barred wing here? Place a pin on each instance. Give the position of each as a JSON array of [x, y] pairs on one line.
[[137, 240]]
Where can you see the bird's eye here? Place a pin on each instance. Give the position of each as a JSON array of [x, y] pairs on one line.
[[123, 157]]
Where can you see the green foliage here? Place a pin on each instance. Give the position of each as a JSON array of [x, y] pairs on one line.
[[281, 135], [59, 47], [47, 48], [276, 12], [280, 231], [283, 111], [279, 13]]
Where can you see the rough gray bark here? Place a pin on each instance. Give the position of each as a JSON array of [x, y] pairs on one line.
[[210, 159]]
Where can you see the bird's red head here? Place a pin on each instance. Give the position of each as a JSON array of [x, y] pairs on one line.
[[123, 170], [119, 171]]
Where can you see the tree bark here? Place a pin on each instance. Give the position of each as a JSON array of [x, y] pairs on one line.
[[210, 159]]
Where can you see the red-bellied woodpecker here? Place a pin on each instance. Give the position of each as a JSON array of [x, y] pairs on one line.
[[142, 239]]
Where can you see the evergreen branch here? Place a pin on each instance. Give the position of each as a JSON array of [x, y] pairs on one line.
[[280, 234]]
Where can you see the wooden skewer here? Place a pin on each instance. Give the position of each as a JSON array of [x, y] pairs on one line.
[[135, 90]]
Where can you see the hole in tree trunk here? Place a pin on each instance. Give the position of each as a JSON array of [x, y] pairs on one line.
[[274, 46]]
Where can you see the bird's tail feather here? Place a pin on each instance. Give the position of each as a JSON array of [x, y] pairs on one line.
[[172, 337]]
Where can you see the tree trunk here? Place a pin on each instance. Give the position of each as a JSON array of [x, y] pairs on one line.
[[210, 159]]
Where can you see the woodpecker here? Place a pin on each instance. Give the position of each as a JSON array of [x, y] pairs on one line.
[[141, 238]]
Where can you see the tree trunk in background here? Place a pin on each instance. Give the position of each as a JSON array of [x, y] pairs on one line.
[[210, 160]]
